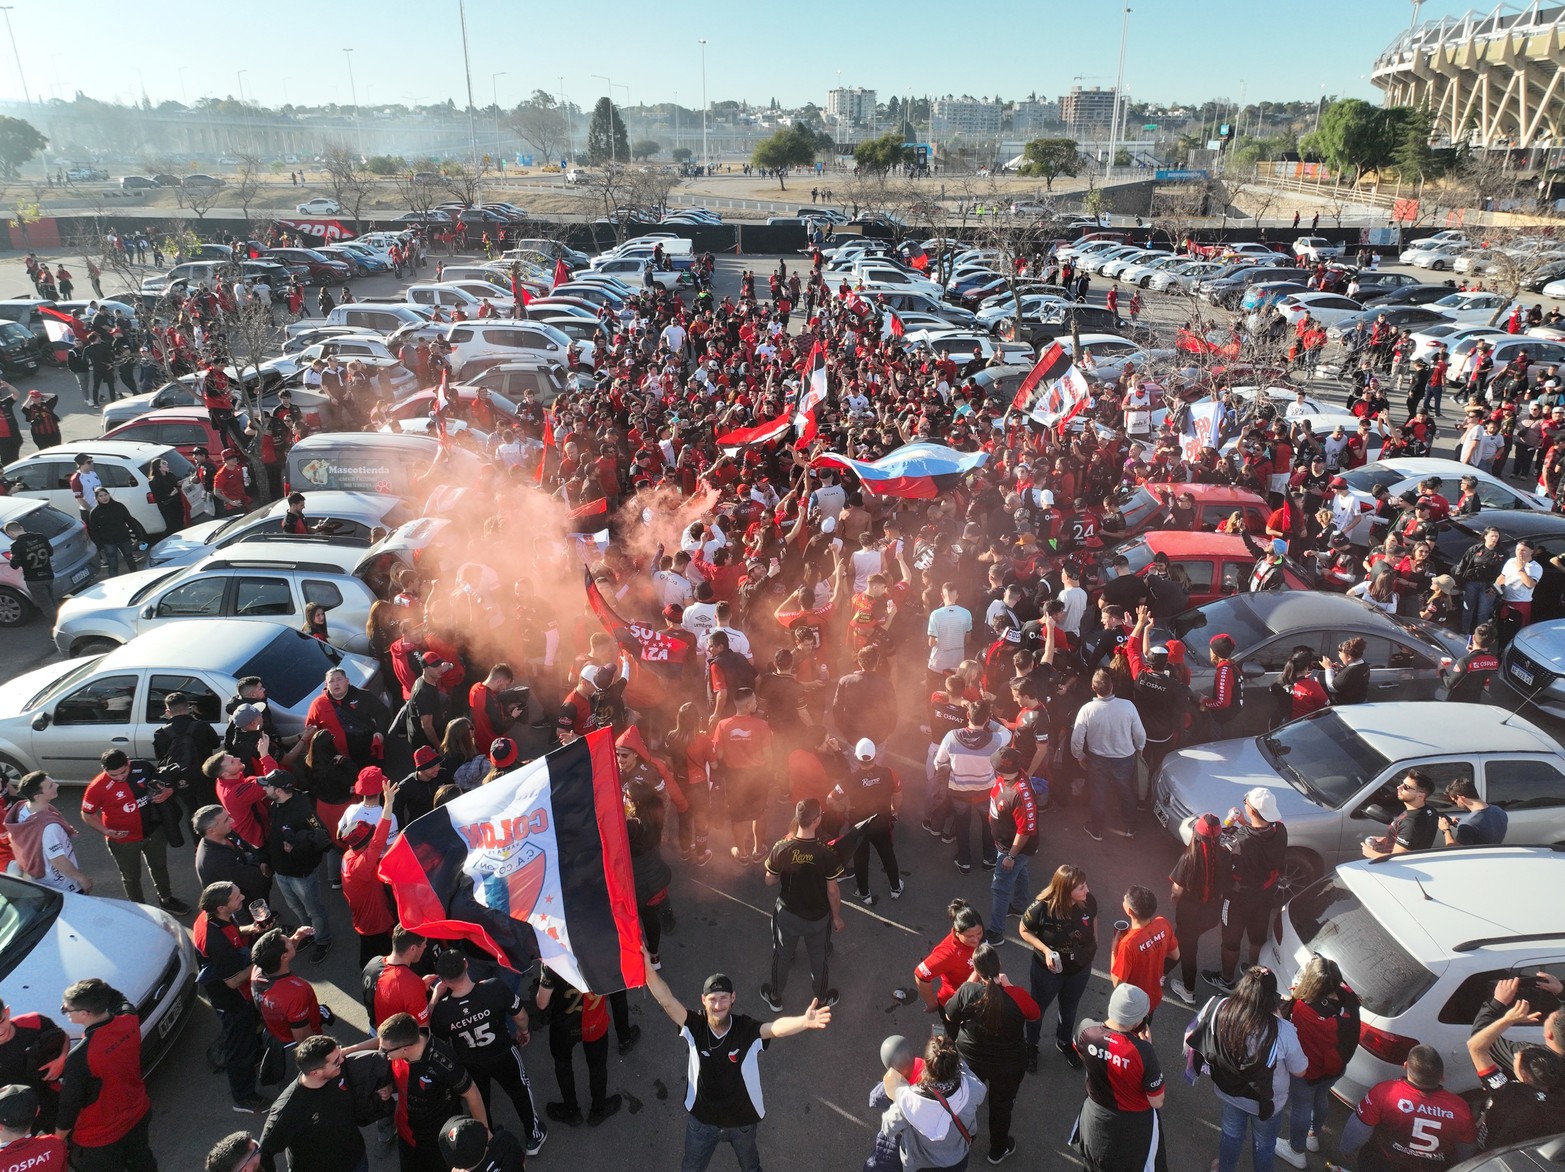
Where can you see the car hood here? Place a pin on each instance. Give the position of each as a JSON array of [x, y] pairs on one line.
[[90, 936], [115, 591], [1213, 778], [14, 694], [1546, 646]]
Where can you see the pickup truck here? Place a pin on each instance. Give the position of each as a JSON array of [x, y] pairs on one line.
[[632, 270], [1317, 248]]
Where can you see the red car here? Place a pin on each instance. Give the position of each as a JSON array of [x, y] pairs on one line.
[[180, 427], [1213, 504], [1209, 565]]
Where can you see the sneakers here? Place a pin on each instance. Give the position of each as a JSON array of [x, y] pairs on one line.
[[1096, 836], [1177, 990], [535, 1143], [632, 1036], [250, 1105], [320, 952], [994, 939], [1126, 833], [931, 829], [702, 859], [989, 864], [1312, 1142], [174, 907], [896, 892], [868, 899], [601, 1111], [947, 837], [560, 1113], [963, 867], [739, 856], [1287, 1155], [831, 998], [1069, 1051], [1215, 979], [773, 1002], [996, 1157], [1032, 1059]]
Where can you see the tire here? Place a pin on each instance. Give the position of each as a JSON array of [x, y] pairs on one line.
[[92, 646], [10, 770], [1300, 868], [15, 607]]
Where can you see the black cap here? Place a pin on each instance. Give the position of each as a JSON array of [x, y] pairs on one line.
[[717, 983], [18, 1106], [463, 1142]]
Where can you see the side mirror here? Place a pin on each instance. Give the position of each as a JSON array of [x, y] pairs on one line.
[[41, 722], [1375, 812], [1251, 670], [149, 612]]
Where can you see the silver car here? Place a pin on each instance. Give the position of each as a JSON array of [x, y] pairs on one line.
[[1334, 774], [343, 518], [62, 716], [270, 582], [73, 559]]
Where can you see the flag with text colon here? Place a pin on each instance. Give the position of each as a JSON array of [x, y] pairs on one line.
[[812, 393], [534, 865]]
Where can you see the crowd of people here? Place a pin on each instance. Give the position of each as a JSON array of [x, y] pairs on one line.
[[771, 645]]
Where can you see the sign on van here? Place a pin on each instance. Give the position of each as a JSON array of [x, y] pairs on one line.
[[326, 473]]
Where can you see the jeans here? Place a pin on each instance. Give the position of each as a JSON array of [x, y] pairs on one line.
[[1263, 1138], [1306, 1109], [1478, 602], [1120, 773], [701, 1140], [1001, 887], [1046, 985], [113, 553], [241, 1048], [962, 826], [302, 895]]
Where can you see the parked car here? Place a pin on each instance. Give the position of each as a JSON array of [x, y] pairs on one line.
[[470, 339], [184, 428], [61, 716], [1393, 315], [264, 581], [121, 466], [1473, 308], [319, 206], [183, 392], [19, 349], [1417, 937], [1215, 564], [1316, 249], [73, 559], [1403, 474], [320, 269], [1533, 1155], [136, 183], [1144, 507], [340, 518]]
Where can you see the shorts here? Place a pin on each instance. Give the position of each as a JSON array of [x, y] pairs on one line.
[[744, 794]]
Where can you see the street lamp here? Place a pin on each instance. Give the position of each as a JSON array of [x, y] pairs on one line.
[[11, 33], [241, 75], [353, 91], [570, 131], [1320, 104], [613, 151], [706, 160], [494, 85], [1119, 96]]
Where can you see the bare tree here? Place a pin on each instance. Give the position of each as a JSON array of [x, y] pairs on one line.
[[346, 179], [419, 191], [464, 181], [541, 123], [650, 187], [611, 185], [200, 198]]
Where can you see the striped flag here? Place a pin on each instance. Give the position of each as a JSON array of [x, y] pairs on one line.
[[735, 441], [891, 326], [1063, 388], [812, 393], [534, 865], [442, 408]]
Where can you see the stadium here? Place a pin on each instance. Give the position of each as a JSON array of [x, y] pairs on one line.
[[1493, 79]]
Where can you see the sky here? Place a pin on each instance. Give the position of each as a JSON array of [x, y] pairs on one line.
[[410, 51]]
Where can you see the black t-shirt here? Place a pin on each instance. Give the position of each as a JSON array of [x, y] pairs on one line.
[[435, 1085], [315, 1126], [223, 953], [1258, 853], [977, 1039], [19, 1061], [504, 1154], [804, 866], [782, 699], [425, 700], [1514, 1112], [726, 1091], [1074, 935], [33, 554], [1415, 829], [477, 1026], [870, 791]]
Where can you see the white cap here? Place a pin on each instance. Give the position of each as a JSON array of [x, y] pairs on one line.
[[829, 525], [1264, 803], [865, 749]]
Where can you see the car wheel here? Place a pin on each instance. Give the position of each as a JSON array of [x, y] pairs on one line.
[[15, 607], [10, 771], [92, 646], [1438, 267], [1300, 868]]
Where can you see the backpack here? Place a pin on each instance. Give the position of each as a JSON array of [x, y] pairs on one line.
[[1231, 1075]]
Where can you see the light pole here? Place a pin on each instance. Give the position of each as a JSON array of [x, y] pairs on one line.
[[706, 159], [1119, 88], [494, 85], [676, 120], [243, 116], [353, 92], [613, 150], [570, 131], [467, 72], [12, 34], [1319, 105]]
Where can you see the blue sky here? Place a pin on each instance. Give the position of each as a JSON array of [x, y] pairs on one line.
[[411, 51]]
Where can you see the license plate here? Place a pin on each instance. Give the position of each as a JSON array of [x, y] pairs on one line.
[[81, 575], [1161, 815], [1522, 674], [171, 1018]]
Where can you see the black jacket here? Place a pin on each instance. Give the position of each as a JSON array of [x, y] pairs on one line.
[[232, 862], [110, 523], [297, 841]]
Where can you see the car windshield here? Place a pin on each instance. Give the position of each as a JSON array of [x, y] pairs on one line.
[[1323, 757], [1332, 923], [293, 665], [1227, 616], [148, 587], [234, 524], [1369, 477], [1138, 553], [69, 680], [26, 911]]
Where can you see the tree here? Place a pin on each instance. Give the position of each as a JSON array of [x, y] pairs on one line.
[[419, 190], [463, 181], [644, 148], [1412, 155], [682, 154], [794, 146], [543, 124], [1353, 134], [346, 177], [19, 142], [1049, 158], [386, 165], [606, 140], [247, 185], [882, 155], [200, 198]]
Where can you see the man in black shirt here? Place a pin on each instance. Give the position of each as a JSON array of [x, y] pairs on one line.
[[486, 1025], [317, 1116], [416, 792], [1415, 828], [187, 741], [431, 1087], [1526, 1098], [808, 907], [724, 1096], [871, 795], [467, 1144], [222, 857], [428, 708], [1258, 843], [1468, 678], [33, 555]]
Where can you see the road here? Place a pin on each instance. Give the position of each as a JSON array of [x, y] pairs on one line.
[[816, 1085]]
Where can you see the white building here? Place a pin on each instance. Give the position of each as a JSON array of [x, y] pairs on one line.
[[849, 105], [964, 118]]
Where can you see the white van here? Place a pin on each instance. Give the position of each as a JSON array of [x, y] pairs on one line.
[[477, 339], [371, 462]]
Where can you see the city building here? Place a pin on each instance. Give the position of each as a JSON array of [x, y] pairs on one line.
[[849, 105], [1031, 116], [1087, 111], [964, 118]]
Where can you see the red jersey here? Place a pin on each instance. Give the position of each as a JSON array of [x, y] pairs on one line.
[[400, 990], [1414, 1129], [102, 1095], [1139, 956], [119, 805], [1306, 696], [287, 1003], [947, 967], [742, 742], [34, 1153], [361, 885]]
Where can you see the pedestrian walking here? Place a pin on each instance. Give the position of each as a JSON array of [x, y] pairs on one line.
[[808, 907], [1105, 739], [1118, 1126], [1060, 927], [989, 1017]]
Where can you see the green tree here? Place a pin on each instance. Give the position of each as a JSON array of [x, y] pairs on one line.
[[1412, 156], [386, 165], [882, 155], [682, 154], [794, 146], [1355, 135], [1049, 158], [1122, 158], [19, 141], [606, 140], [644, 148]]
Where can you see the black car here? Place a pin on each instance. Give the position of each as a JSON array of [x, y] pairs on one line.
[[168, 181], [1545, 530], [136, 183], [18, 349], [1533, 1155], [1229, 292], [1534, 281], [1056, 321], [1394, 315], [1378, 296]]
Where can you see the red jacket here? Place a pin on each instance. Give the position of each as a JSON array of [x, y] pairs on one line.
[[362, 887]]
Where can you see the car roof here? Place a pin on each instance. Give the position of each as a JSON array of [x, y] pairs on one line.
[[1453, 470], [348, 439], [1177, 543], [337, 502], [1208, 492], [1287, 610], [1404, 728], [343, 558], [180, 413], [136, 451], [1512, 523], [199, 644], [1456, 897]]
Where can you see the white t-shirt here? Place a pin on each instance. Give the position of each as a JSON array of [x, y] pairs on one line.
[[672, 588], [56, 845], [948, 627], [370, 815], [1518, 582], [865, 562], [737, 641], [1075, 600], [700, 618]]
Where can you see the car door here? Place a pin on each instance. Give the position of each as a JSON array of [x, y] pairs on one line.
[[1398, 670], [1371, 812], [268, 597], [194, 598], [97, 714], [206, 704], [1531, 791], [1258, 669]]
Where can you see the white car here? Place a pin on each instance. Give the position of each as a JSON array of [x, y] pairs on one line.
[[964, 346], [1472, 308], [1142, 271], [1182, 278], [345, 518], [1002, 309], [1403, 473], [1448, 333], [52, 939], [1116, 266], [496, 337], [1437, 257], [1326, 308], [1449, 236], [60, 717], [1105, 356], [1097, 261], [121, 465], [1417, 938], [319, 206]]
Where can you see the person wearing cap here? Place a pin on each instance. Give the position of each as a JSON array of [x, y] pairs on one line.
[[870, 796], [1268, 573], [485, 1024], [431, 1088], [428, 708], [1118, 1126], [369, 899], [468, 1146], [123, 804], [723, 1091], [296, 842], [20, 1149], [242, 738], [370, 789], [1014, 827], [1257, 844], [415, 794]]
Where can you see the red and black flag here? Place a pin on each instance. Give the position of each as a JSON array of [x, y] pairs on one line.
[[534, 865], [735, 441], [1052, 364], [658, 649], [812, 393]]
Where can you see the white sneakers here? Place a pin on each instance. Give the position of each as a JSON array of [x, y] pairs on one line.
[[1286, 1153]]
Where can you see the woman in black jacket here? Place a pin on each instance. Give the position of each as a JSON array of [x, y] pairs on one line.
[[1475, 573], [169, 496], [989, 1016], [115, 531]]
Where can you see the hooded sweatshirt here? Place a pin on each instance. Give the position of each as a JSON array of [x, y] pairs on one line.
[[927, 1136], [965, 760], [27, 837]]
